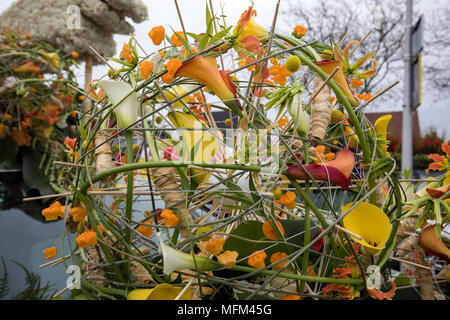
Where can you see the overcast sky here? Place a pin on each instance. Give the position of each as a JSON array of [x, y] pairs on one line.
[[431, 114]]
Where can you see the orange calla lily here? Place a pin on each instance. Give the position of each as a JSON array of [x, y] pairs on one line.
[[438, 192], [205, 71], [338, 171], [433, 245], [339, 78]]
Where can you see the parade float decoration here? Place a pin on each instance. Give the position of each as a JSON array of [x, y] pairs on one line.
[[289, 194]]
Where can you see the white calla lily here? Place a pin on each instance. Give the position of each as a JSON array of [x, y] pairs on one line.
[[124, 99], [302, 120], [174, 259]]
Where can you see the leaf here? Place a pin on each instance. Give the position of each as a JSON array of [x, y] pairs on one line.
[[252, 230], [32, 175], [8, 155]]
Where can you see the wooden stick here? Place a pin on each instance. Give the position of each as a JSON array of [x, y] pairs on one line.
[[181, 19], [55, 262], [360, 43], [63, 290], [411, 263], [72, 164], [100, 57], [348, 232], [187, 286]]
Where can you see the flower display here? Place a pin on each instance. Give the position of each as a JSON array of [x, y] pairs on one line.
[[272, 181]]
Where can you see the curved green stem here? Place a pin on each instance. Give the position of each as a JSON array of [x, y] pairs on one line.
[[129, 198], [341, 97]]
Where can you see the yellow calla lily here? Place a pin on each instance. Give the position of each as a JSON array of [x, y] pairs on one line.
[[163, 291], [381, 125], [51, 57], [175, 92], [202, 142], [370, 223]]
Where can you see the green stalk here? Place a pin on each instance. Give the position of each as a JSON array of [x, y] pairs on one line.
[[306, 239], [293, 276], [341, 97], [129, 198]]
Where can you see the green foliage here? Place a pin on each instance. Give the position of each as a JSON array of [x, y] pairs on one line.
[[33, 289]]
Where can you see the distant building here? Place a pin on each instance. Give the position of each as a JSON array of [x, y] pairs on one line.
[[395, 126]]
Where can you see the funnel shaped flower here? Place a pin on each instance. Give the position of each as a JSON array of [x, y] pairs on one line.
[[381, 129], [328, 66], [438, 192], [124, 100], [205, 71], [370, 223], [176, 260], [433, 245], [247, 27], [163, 291], [338, 171], [199, 145]]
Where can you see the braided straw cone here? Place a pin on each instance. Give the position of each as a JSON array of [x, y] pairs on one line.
[[320, 110], [103, 154], [165, 180]]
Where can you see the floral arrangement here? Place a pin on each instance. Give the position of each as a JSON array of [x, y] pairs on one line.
[[35, 104], [299, 200]]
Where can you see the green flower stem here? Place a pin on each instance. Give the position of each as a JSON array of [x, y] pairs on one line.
[[309, 203], [341, 97], [305, 258], [129, 198], [165, 164], [293, 276]]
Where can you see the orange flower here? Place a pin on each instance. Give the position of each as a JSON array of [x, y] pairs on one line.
[[214, 246], [146, 68], [279, 73], [356, 83], [55, 211], [78, 213], [228, 258], [27, 67], [364, 97], [205, 71], [256, 260], [87, 239], [126, 53], [269, 232], [173, 65], [170, 219], [21, 137], [7, 116], [282, 122], [2, 131], [50, 252], [175, 40], [330, 156], [277, 256], [75, 55], [100, 229], [288, 199], [291, 297], [70, 143], [146, 231], [167, 78], [157, 34], [299, 31]]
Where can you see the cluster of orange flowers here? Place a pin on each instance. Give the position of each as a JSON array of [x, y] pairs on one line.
[[279, 74]]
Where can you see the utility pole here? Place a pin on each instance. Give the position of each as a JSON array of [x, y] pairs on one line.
[[407, 130]]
